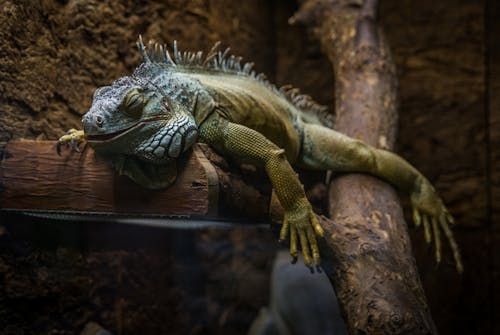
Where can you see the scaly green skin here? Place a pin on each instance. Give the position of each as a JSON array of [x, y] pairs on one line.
[[145, 121]]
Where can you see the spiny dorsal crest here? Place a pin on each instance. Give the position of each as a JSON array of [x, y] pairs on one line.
[[221, 61]]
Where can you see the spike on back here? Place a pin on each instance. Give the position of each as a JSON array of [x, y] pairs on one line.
[[142, 50], [221, 61]]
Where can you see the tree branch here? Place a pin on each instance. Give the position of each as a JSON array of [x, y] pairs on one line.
[[370, 263], [366, 28]]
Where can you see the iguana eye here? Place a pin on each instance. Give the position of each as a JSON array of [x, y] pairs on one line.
[[133, 103]]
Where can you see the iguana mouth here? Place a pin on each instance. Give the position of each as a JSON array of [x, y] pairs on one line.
[[111, 136], [103, 138]]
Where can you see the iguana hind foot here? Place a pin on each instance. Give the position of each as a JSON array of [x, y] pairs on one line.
[[429, 210]]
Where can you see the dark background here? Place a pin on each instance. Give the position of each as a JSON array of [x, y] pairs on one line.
[[55, 277]]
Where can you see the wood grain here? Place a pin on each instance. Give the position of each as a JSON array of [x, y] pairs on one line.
[[34, 177]]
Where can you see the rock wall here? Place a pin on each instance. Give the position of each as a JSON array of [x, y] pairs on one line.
[[55, 53]]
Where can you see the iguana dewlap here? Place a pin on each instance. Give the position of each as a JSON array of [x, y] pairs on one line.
[[143, 123]]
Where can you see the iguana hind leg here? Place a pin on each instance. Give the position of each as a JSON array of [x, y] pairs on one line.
[[326, 149]]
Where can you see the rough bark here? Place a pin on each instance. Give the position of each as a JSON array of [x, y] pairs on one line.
[[373, 271]]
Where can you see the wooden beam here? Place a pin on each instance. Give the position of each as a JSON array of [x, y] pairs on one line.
[[34, 177]]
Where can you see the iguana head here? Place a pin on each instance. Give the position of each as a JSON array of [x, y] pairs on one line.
[[142, 130], [130, 119]]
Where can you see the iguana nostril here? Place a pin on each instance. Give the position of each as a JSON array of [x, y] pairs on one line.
[[99, 120]]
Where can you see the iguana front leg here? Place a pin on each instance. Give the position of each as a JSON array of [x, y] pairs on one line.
[[72, 138], [250, 146]]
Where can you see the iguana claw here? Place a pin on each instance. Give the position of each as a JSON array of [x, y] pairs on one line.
[[303, 226], [73, 138], [429, 210]]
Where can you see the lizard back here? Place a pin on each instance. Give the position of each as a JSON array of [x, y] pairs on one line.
[[218, 63]]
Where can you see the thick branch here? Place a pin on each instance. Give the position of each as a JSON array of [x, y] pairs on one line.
[[366, 28], [374, 271]]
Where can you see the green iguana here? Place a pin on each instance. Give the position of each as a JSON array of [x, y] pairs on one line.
[[145, 121]]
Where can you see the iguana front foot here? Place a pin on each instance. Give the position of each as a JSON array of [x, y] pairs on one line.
[[429, 210], [73, 138], [303, 225]]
